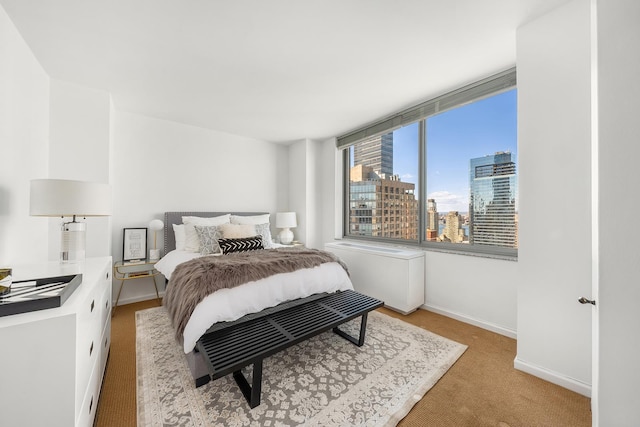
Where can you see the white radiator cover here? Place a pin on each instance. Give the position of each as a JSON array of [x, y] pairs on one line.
[[393, 275]]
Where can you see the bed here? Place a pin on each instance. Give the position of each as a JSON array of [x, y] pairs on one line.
[[230, 306]]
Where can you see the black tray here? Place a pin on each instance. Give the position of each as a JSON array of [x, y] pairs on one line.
[[48, 292]]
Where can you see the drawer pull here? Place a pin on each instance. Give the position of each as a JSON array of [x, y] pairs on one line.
[[91, 404], [93, 303], [107, 275], [91, 349]]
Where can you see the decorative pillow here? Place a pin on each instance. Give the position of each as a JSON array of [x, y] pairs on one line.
[[234, 231], [208, 236], [249, 219], [264, 230], [243, 244], [192, 242], [178, 231]]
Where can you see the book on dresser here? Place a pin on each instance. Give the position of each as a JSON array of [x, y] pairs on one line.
[[55, 359]]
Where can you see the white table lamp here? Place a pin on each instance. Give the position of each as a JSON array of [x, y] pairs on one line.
[[286, 221], [61, 197], [155, 226]]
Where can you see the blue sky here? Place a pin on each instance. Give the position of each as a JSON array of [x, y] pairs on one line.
[[453, 138]]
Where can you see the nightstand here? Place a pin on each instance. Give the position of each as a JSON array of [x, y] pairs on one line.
[[134, 270]]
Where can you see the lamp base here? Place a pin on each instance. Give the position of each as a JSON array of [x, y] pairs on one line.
[[286, 236], [154, 254], [73, 242]]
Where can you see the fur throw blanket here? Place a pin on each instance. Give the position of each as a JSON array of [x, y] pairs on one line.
[[193, 280]]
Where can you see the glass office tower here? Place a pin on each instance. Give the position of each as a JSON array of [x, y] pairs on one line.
[[492, 204]]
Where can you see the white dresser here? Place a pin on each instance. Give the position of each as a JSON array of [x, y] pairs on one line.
[[52, 361]]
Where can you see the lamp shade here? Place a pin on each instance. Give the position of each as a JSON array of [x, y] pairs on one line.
[[286, 220], [156, 225], [61, 197]]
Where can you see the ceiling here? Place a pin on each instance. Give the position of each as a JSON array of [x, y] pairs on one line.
[[274, 70]]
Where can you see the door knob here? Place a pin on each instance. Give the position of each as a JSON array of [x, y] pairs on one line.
[[583, 300]]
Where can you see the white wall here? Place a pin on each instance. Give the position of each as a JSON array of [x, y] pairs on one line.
[[554, 142], [282, 171], [619, 292], [24, 128], [166, 166], [330, 178], [79, 136], [298, 188], [476, 290], [307, 171], [314, 184], [48, 129]]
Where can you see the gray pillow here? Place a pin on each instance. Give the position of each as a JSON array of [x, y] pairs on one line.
[[264, 231], [209, 236]]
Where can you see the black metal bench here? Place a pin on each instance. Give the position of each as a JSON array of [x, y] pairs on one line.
[[229, 350]]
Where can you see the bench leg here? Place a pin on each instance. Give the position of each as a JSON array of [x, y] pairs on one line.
[[251, 392], [202, 380], [363, 327]]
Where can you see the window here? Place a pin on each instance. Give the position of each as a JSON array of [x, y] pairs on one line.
[[442, 174]]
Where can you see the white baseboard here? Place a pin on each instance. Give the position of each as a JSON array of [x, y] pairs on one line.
[[131, 300], [472, 321], [537, 371], [553, 377]]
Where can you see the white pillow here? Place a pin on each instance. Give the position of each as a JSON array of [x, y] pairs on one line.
[[200, 220], [192, 242], [237, 231], [178, 231], [250, 219]]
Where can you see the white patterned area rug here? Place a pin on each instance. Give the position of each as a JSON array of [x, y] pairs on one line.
[[324, 381]]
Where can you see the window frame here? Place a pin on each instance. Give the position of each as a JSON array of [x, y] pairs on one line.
[[491, 86]]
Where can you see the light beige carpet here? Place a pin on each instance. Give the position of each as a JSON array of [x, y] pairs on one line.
[[323, 381]]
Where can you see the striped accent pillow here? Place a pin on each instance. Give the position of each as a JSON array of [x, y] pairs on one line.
[[243, 244]]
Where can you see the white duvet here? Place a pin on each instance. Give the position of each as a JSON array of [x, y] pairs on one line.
[[231, 304]]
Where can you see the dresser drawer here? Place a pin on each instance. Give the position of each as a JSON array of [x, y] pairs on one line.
[[88, 337], [105, 305], [106, 343], [87, 349], [90, 399]]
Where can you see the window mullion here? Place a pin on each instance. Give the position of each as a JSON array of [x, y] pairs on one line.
[[422, 180]]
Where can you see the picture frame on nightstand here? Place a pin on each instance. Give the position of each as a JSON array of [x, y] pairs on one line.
[[134, 244]]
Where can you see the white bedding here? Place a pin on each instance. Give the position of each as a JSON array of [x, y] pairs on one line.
[[231, 304]]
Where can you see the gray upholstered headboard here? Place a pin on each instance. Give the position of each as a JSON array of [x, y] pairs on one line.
[[171, 218]]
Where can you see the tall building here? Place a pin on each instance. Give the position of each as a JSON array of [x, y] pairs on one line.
[[375, 152], [453, 231], [433, 220], [492, 205], [381, 206]]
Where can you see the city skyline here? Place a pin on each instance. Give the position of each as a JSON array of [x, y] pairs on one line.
[[475, 130], [471, 154]]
